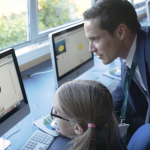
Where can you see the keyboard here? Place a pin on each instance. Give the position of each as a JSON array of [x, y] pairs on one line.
[[111, 87], [38, 141]]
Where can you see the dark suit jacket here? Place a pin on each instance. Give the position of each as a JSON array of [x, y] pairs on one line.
[[137, 103]]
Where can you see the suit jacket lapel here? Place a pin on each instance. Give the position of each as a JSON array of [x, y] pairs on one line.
[[140, 49]]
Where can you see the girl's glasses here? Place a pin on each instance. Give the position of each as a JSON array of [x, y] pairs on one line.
[[53, 116]]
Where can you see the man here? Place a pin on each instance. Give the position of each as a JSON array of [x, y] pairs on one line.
[[114, 31]]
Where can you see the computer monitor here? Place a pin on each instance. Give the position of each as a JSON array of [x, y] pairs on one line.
[[13, 101], [70, 53]]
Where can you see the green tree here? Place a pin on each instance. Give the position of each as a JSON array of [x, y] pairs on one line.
[[13, 23], [53, 13], [13, 31]]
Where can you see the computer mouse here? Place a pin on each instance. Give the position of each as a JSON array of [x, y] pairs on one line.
[[54, 124]]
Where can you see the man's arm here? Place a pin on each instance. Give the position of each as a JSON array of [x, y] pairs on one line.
[[118, 97]]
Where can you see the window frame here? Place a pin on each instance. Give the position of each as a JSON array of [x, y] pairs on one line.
[[34, 36], [138, 5], [37, 49]]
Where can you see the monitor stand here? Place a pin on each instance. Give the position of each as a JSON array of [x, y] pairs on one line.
[[4, 144]]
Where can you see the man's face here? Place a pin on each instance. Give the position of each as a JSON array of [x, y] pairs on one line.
[[105, 46]]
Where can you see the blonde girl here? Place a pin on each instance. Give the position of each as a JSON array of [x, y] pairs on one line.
[[84, 112]]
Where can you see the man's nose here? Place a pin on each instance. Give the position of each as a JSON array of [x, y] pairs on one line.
[[91, 50]]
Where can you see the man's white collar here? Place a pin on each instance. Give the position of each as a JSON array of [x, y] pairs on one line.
[[131, 53]]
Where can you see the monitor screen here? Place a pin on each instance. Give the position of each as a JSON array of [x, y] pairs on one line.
[[69, 53], [13, 101]]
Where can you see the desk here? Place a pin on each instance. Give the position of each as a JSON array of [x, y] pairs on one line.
[[40, 90]]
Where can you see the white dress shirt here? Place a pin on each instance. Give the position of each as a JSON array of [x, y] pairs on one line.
[[129, 59]]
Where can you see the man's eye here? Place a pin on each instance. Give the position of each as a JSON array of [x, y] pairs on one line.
[[94, 39]]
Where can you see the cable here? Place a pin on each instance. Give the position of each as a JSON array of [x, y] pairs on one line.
[[9, 147], [11, 135], [39, 73], [33, 118], [96, 77], [41, 115], [14, 132]]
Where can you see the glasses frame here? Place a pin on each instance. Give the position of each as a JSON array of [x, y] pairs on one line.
[[57, 116]]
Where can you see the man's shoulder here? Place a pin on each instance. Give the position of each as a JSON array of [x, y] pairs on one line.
[[146, 29], [144, 33]]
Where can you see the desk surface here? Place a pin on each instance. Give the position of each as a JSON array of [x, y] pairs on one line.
[[40, 90]]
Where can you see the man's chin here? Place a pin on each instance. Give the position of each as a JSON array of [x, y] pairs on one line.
[[106, 62]]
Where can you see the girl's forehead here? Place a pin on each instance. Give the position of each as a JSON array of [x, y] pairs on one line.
[[56, 97], [57, 105]]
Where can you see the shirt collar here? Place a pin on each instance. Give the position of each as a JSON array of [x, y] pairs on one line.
[[129, 58]]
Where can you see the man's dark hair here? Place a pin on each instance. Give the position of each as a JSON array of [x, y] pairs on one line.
[[111, 13]]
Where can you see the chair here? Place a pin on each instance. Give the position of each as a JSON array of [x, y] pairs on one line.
[[140, 139]]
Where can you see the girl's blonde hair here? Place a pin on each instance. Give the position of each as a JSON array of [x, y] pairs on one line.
[[86, 101]]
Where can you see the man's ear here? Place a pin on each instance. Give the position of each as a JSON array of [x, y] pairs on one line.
[[78, 129], [122, 31]]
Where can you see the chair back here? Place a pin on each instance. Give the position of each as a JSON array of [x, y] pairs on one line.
[[140, 139]]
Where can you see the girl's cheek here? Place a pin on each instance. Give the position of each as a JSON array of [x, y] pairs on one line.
[[58, 121]]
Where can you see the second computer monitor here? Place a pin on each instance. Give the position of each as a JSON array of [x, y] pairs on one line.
[[13, 101], [69, 53]]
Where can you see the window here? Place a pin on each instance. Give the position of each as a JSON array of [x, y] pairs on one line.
[[52, 13], [138, 1], [13, 23], [25, 22]]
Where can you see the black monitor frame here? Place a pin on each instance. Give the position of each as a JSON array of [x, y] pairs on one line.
[[79, 69], [62, 32], [22, 110]]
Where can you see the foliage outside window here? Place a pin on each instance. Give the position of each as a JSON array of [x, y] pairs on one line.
[[52, 13], [13, 23]]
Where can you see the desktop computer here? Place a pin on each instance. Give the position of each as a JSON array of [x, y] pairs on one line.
[[70, 53], [13, 100], [70, 58]]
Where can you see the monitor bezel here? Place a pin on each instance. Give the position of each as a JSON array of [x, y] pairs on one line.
[[21, 110], [60, 32]]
